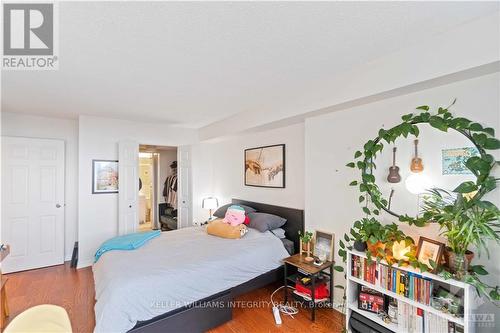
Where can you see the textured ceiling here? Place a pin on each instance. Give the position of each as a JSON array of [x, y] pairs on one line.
[[191, 64]]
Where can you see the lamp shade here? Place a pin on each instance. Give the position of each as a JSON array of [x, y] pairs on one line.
[[210, 203]]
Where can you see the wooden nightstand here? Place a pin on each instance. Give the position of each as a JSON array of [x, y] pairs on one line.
[[311, 270]]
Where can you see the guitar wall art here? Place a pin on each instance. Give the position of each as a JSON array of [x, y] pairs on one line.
[[394, 176]]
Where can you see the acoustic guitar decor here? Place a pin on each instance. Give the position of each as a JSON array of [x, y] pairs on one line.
[[394, 176], [416, 162]]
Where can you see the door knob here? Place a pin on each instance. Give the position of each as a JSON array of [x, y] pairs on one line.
[[130, 206], [58, 206]]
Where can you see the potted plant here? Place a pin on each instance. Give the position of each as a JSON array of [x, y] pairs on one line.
[[369, 233], [465, 221], [305, 242]]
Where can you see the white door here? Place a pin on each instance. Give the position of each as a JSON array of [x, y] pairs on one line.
[[128, 187], [32, 202], [184, 187]]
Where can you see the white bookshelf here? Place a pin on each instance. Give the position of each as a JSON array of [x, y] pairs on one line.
[[352, 296]]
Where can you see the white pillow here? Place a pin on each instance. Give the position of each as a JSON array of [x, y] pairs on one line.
[[279, 232]]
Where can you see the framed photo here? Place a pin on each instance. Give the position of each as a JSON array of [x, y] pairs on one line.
[[323, 245], [265, 166], [453, 160], [429, 249], [104, 176]]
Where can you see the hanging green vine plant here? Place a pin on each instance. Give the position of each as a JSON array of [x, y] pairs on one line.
[[482, 137], [465, 220]]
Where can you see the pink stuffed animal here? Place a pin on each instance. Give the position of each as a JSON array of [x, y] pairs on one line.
[[235, 215]]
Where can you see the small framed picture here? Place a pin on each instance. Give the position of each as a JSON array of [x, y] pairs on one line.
[[429, 249], [104, 176], [323, 245]]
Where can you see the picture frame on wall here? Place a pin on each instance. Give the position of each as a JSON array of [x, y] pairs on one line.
[[429, 249], [323, 245], [265, 166], [104, 176]]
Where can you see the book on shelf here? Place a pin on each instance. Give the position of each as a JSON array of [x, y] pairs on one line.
[[412, 319], [407, 284], [371, 300]]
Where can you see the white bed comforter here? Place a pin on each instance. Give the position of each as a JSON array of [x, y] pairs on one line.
[[175, 269]]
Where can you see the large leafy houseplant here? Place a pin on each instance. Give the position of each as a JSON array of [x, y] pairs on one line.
[[465, 221]]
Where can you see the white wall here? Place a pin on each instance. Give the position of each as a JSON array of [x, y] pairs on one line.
[[332, 139], [98, 139], [218, 170], [14, 124]]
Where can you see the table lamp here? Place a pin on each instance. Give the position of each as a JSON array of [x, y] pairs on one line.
[[210, 203]]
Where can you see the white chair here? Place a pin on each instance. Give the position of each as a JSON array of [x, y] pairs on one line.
[[44, 318]]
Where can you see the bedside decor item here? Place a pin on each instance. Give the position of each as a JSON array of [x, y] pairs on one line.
[[323, 244], [265, 166], [429, 252], [416, 162], [305, 244], [104, 176], [210, 203], [394, 176]]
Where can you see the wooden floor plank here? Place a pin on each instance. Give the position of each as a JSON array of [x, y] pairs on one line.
[[74, 290]]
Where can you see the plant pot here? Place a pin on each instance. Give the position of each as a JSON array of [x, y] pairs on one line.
[[305, 247], [360, 246], [373, 248], [457, 262], [469, 255]]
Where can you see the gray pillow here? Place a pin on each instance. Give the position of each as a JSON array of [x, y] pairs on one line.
[[264, 221], [279, 232], [221, 211]]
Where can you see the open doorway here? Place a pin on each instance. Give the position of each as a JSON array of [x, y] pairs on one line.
[[158, 188]]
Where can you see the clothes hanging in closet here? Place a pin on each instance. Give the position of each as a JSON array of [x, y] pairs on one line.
[[170, 191]]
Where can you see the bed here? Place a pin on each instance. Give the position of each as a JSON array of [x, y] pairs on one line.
[[161, 287]]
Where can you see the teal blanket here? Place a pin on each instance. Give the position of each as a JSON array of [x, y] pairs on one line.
[[126, 242]]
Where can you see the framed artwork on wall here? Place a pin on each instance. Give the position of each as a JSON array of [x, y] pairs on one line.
[[104, 176], [453, 160], [265, 166]]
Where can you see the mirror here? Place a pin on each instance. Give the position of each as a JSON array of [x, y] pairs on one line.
[[443, 156]]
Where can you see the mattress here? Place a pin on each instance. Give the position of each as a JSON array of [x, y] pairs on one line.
[[175, 269]]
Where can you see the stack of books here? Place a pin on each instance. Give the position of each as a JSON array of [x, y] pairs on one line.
[[362, 270], [415, 320], [407, 284]]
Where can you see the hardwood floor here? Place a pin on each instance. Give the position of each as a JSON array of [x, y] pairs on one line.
[[74, 290]]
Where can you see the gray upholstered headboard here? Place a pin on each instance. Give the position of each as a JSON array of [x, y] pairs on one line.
[[294, 218]]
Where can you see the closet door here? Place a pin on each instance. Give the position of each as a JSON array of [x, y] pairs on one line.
[[128, 178], [184, 187]]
